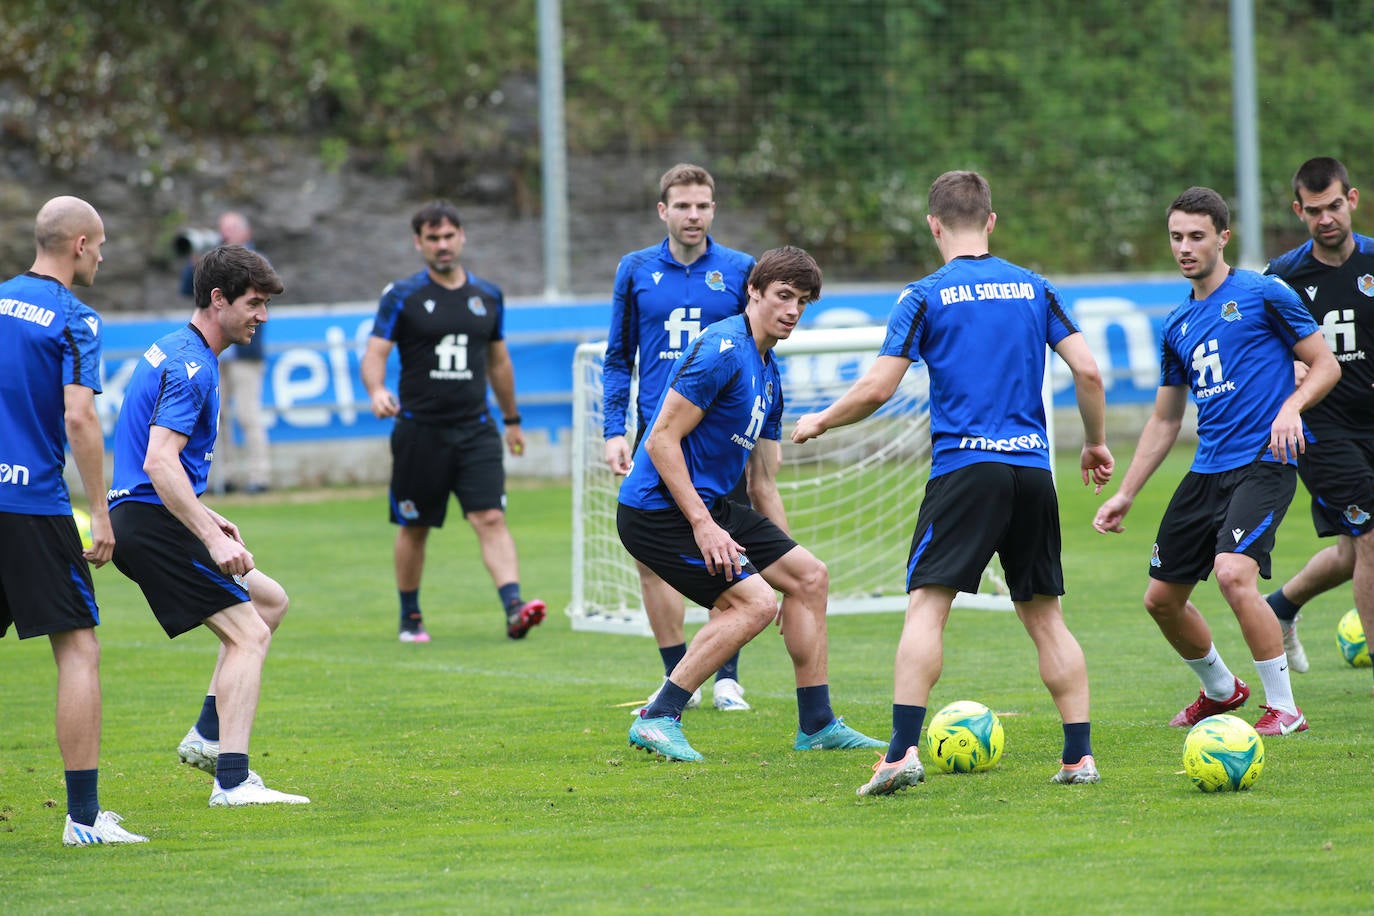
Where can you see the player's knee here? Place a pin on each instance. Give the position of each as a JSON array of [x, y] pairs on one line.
[[1159, 606], [813, 582]]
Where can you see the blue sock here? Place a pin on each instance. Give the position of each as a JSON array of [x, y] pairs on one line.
[[208, 723], [813, 708], [1283, 608], [906, 730], [671, 701], [730, 669], [410, 609], [1077, 741], [510, 597], [671, 656], [83, 801], [231, 770]]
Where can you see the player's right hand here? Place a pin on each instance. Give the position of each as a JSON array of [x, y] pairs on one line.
[[1111, 514], [808, 427], [618, 457], [230, 556]]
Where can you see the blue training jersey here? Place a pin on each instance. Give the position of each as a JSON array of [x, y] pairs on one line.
[[658, 308], [48, 339], [1234, 350], [175, 385], [723, 374], [981, 324]]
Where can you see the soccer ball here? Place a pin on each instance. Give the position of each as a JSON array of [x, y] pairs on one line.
[[83, 527], [1350, 639], [1223, 753], [964, 737]]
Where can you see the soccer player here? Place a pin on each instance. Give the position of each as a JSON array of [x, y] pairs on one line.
[[721, 411], [1333, 274], [447, 324], [1231, 343], [664, 295], [981, 325], [50, 351], [190, 561]]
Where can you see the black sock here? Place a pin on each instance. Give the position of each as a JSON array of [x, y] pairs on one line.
[[83, 799], [510, 597], [671, 656], [813, 708], [906, 730], [1077, 741], [231, 770], [671, 701], [208, 723], [730, 669], [1283, 608], [410, 610]]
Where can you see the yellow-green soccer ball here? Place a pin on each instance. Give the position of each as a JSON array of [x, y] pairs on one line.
[[964, 737], [1350, 639], [1223, 754], [83, 527]]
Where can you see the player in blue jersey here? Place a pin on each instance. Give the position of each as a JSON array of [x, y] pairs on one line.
[[50, 351], [1333, 274], [721, 411], [981, 325], [664, 296], [190, 561], [1230, 345], [447, 324]]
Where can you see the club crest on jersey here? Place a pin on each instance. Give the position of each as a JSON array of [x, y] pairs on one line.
[[477, 306], [1355, 515], [768, 390], [715, 280], [429, 305], [1230, 311], [1365, 285]]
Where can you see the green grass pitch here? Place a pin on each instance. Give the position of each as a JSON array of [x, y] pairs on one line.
[[479, 775]]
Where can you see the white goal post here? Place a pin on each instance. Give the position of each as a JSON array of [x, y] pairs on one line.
[[851, 495]]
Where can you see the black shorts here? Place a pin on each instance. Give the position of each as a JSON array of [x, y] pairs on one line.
[[1339, 473], [985, 508], [430, 462], [662, 540], [1235, 511], [182, 583], [45, 582]]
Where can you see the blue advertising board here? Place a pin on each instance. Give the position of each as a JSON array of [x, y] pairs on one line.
[[313, 389]]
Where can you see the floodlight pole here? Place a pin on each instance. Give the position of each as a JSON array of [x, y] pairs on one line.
[[1245, 109], [553, 150]]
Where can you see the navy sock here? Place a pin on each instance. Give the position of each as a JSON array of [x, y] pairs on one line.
[[813, 708], [83, 801], [410, 609], [208, 723], [231, 770], [906, 730], [671, 656], [1283, 608], [510, 597], [671, 701], [730, 669], [1077, 741]]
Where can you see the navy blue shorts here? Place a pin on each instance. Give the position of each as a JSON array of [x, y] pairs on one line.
[[428, 463], [45, 582], [1339, 473]]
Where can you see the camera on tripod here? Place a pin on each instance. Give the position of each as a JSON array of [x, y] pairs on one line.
[[195, 241]]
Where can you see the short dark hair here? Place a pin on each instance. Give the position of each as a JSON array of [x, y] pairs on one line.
[[960, 200], [434, 213], [682, 174], [790, 265], [1316, 175], [1204, 201], [233, 270]]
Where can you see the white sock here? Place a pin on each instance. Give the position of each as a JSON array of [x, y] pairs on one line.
[[1217, 680], [1278, 689]]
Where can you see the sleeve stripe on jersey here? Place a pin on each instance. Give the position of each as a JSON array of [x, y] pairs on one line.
[[686, 360], [76, 355], [1282, 321], [1057, 308], [915, 323]]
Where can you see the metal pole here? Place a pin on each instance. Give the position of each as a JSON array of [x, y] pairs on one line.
[[1246, 115], [554, 152]]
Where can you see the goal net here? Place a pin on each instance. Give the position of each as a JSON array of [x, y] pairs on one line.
[[851, 495]]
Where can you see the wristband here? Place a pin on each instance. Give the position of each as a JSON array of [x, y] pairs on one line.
[[511, 421]]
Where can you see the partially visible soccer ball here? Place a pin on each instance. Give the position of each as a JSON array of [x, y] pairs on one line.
[[83, 527], [964, 737], [1350, 639], [1223, 753]]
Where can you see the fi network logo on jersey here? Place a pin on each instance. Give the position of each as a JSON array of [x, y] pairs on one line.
[[1338, 327], [682, 326], [16, 474], [192, 369], [1207, 363]]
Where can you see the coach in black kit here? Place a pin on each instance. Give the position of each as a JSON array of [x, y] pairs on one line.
[[447, 324]]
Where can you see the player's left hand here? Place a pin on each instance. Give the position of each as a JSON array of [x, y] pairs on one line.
[[1097, 463], [1286, 439], [808, 427], [515, 440]]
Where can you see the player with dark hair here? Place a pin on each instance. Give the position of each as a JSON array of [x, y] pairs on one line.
[[664, 296], [50, 351], [721, 411], [190, 561], [981, 325], [447, 324], [1230, 344], [1333, 274]]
